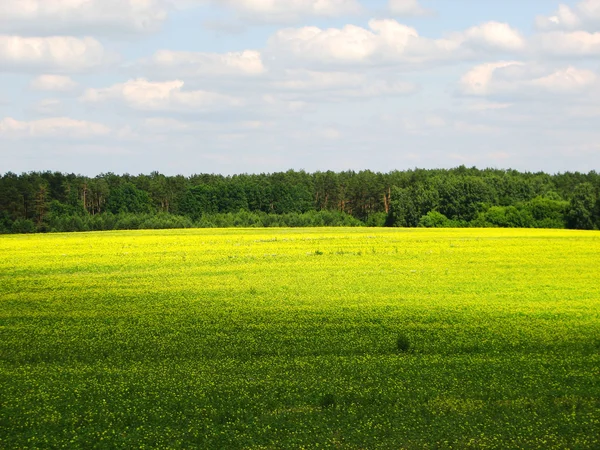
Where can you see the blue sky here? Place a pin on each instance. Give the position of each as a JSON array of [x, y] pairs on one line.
[[232, 86]]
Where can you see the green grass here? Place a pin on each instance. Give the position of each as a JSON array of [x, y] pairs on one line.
[[321, 338]]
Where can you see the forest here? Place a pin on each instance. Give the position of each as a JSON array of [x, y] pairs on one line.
[[460, 197]]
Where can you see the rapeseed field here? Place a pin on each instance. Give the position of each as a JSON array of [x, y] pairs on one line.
[[295, 338]]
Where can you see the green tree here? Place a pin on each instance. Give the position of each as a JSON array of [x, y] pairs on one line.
[[581, 207], [547, 212], [198, 201], [41, 206], [434, 219], [403, 211], [128, 199]]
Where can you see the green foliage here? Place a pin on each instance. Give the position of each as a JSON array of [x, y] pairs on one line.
[[434, 219], [465, 196], [5, 222], [504, 217], [378, 219], [327, 401], [127, 198], [245, 219], [403, 210], [581, 207], [23, 226], [198, 200], [548, 211], [540, 212], [461, 197], [596, 212], [58, 209], [403, 343]]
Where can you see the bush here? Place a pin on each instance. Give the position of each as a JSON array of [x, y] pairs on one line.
[[327, 401], [5, 222], [376, 220], [21, 226], [434, 219], [504, 217], [403, 343]]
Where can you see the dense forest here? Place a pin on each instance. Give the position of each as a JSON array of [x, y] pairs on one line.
[[460, 197]]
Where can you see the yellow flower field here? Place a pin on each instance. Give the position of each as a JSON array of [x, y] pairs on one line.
[[301, 338]]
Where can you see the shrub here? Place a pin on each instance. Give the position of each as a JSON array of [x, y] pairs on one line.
[[403, 343], [23, 226], [434, 219], [376, 220], [328, 401]]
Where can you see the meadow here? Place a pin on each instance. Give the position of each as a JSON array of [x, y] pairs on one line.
[[301, 338]]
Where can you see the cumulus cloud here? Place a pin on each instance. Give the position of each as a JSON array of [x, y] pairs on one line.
[[144, 16], [383, 42], [58, 127], [57, 83], [388, 41], [290, 10], [197, 64], [66, 16], [526, 80], [564, 44], [477, 81], [568, 80], [143, 95], [492, 36], [585, 15], [51, 54], [408, 8]]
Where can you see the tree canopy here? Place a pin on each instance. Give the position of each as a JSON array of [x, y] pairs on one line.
[[459, 197]]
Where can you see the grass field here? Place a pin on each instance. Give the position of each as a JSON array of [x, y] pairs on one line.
[[320, 338]]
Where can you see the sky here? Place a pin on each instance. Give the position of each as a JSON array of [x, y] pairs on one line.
[[254, 86]]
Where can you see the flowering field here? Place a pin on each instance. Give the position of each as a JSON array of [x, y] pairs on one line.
[[337, 338]]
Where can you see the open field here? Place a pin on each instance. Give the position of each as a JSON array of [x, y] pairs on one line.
[[289, 338]]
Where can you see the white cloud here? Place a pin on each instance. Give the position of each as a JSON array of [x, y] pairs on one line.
[[51, 54], [585, 15], [407, 8], [522, 81], [197, 64], [568, 80], [477, 81], [442, 125], [59, 127], [387, 41], [290, 10], [567, 44], [57, 83], [65, 16], [143, 95], [492, 35], [48, 107]]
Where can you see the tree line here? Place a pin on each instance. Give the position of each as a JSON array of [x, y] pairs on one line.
[[459, 197]]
